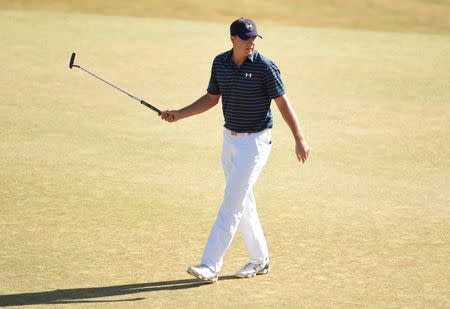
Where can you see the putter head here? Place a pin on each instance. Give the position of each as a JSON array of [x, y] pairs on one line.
[[72, 59]]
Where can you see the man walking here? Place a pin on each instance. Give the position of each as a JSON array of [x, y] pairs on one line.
[[247, 82]]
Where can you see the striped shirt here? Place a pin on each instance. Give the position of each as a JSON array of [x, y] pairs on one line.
[[246, 91]]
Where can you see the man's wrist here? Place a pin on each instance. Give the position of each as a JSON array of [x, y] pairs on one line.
[[299, 138]]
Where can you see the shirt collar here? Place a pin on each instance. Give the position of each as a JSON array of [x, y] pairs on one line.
[[251, 57]]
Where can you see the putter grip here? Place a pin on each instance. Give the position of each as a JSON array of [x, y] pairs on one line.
[[151, 107]]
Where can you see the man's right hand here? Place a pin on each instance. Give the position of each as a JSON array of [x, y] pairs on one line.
[[170, 116]]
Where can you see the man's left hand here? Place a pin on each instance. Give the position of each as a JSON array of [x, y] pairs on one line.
[[302, 150]]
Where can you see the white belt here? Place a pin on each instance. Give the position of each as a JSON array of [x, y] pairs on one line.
[[234, 133], [239, 133]]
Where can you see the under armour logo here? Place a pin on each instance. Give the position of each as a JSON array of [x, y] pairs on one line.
[[248, 75], [249, 26]]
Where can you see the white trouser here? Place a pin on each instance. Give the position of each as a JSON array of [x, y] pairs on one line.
[[243, 157]]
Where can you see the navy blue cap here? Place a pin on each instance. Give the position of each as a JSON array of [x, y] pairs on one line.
[[244, 28]]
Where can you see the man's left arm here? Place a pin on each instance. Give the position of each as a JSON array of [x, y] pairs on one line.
[[301, 147]]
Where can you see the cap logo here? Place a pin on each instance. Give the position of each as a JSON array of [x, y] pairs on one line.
[[249, 26]]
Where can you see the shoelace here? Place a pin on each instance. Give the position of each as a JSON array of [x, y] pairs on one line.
[[251, 266]]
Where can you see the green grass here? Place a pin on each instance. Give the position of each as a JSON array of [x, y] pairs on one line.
[[98, 194], [379, 15]]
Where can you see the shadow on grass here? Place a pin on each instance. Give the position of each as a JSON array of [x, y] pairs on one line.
[[88, 295]]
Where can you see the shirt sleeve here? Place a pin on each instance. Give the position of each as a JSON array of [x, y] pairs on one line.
[[213, 86], [272, 81]]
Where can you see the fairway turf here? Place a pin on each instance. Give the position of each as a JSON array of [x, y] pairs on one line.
[[378, 15], [104, 205]]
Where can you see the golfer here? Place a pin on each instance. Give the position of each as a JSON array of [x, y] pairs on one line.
[[247, 82]]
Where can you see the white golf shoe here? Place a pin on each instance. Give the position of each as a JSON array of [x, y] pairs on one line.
[[203, 272], [251, 270]]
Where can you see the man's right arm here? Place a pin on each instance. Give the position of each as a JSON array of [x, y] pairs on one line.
[[201, 105]]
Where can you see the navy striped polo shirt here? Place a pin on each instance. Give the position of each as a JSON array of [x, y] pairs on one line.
[[246, 91]]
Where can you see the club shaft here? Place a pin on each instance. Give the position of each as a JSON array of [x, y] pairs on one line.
[[112, 85], [121, 90]]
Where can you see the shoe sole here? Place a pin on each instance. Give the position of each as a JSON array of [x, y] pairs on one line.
[[198, 276]]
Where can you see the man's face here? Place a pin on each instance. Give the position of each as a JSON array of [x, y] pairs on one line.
[[243, 46]]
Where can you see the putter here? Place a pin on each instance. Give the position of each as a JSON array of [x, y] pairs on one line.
[[72, 65]]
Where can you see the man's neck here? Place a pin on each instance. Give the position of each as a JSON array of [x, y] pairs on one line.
[[238, 59]]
